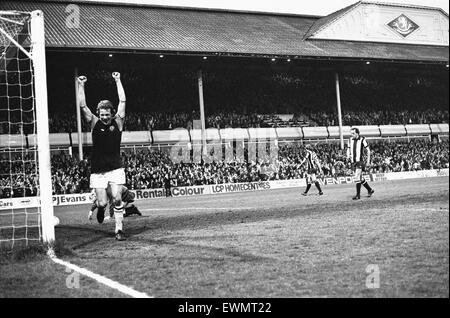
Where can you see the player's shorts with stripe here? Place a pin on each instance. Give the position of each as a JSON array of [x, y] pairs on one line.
[[101, 180]]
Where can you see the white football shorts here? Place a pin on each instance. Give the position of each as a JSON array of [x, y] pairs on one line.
[[101, 180]]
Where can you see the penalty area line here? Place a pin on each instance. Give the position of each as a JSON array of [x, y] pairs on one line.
[[101, 279]]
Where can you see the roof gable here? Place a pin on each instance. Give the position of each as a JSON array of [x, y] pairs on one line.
[[381, 22], [325, 21], [157, 29]]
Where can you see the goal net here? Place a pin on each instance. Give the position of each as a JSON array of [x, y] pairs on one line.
[[26, 208]]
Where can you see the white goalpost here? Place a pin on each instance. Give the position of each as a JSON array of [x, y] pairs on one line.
[[26, 209]]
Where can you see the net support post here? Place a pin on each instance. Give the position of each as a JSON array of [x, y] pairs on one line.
[[40, 91]]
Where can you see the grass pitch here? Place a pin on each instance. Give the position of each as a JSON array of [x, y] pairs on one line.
[[259, 244]]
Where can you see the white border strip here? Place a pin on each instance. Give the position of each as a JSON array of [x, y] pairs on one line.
[[103, 280]]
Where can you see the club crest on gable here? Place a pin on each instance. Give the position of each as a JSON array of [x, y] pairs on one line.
[[403, 25]]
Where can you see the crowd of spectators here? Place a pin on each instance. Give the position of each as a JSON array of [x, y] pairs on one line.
[[419, 154], [149, 121], [151, 167], [17, 175], [69, 175], [381, 117], [166, 97]]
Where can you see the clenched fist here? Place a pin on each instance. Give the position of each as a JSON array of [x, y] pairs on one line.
[[82, 79], [116, 75]]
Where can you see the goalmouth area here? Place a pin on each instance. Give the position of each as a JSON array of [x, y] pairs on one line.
[[273, 243]]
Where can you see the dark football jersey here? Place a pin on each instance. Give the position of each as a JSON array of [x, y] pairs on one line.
[[106, 141]]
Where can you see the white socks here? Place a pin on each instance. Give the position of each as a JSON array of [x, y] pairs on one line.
[[118, 215]]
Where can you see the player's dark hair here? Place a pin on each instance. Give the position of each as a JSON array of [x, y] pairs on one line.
[[105, 104], [356, 130]]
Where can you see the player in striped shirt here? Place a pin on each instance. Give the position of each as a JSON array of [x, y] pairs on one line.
[[359, 153], [313, 166]]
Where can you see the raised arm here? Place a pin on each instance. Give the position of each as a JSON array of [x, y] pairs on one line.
[[87, 114], [121, 93]]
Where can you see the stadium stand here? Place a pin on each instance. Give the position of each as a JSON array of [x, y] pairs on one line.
[[211, 134], [245, 94], [171, 136], [147, 168]]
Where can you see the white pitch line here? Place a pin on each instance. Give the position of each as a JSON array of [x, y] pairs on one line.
[[197, 208], [101, 279]]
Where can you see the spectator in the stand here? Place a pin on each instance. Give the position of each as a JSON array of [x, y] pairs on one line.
[[147, 168]]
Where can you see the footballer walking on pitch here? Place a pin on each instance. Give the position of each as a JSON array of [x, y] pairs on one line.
[[106, 163], [313, 167], [360, 158]]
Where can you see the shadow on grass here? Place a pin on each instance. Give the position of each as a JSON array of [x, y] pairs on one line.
[[30, 252], [227, 252], [74, 237]]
